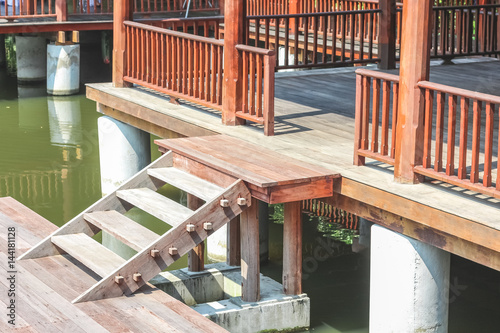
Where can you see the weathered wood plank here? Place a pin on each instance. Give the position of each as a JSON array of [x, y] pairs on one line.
[[156, 204], [122, 228], [186, 182], [292, 248], [250, 255], [89, 252]]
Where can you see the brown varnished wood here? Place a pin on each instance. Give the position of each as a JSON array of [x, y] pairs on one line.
[[250, 257], [292, 248]]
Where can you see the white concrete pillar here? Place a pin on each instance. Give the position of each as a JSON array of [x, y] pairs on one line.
[[409, 284], [63, 69], [31, 55], [123, 151], [2, 51]]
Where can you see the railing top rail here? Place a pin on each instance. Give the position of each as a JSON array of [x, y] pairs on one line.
[[174, 33], [466, 7], [347, 12], [378, 75], [459, 92], [182, 19], [253, 49]]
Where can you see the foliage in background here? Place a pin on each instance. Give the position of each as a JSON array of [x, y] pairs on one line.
[[10, 54]]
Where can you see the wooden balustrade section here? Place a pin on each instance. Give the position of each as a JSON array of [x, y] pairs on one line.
[[178, 64], [450, 115], [27, 8], [318, 39], [190, 67], [376, 114], [258, 86]]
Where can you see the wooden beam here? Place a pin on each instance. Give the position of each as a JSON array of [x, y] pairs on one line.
[[52, 26], [453, 244], [292, 248], [233, 257], [414, 67], [234, 34], [250, 257], [387, 34], [196, 257], [122, 11]]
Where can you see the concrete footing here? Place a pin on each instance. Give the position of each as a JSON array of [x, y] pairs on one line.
[[215, 293], [63, 69], [409, 284], [31, 58]]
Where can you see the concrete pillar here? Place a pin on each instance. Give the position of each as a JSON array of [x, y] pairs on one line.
[[31, 55], [63, 69], [2, 51], [409, 284], [123, 151]]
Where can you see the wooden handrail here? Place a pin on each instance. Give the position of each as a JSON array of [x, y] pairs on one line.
[[459, 92], [337, 13], [253, 49], [174, 33], [378, 75]]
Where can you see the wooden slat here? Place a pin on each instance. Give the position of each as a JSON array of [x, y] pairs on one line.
[[186, 182], [122, 228], [89, 252], [156, 204]]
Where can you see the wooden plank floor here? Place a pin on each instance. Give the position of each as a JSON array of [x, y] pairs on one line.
[[45, 288], [315, 124]]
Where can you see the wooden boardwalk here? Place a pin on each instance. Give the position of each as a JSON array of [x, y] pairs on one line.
[[315, 123], [45, 287]]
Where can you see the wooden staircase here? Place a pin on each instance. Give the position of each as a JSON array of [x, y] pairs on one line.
[[155, 252]]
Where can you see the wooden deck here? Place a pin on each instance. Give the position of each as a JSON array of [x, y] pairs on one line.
[[315, 123], [45, 287]]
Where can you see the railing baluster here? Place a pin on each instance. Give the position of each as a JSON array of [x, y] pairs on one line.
[[438, 158], [386, 97], [366, 112], [429, 105], [252, 85], [259, 85], [488, 144], [375, 113], [395, 103], [464, 129], [476, 132], [452, 120], [212, 74]]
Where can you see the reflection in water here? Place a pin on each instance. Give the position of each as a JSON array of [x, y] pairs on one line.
[[65, 121]]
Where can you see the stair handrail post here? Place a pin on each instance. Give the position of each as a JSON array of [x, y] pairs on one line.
[[234, 34], [387, 34], [414, 67], [122, 11]]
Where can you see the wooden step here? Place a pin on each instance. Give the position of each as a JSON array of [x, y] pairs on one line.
[[89, 252], [156, 204], [186, 182], [122, 228]]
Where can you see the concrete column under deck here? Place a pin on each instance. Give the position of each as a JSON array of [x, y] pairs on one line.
[[409, 284], [63, 69], [31, 57], [123, 151]]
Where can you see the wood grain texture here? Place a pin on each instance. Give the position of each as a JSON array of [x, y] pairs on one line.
[[250, 255], [292, 248]]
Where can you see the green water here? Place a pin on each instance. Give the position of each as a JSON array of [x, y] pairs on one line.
[[50, 162]]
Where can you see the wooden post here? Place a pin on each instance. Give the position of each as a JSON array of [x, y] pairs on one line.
[[234, 34], [122, 11], [387, 34], [292, 249], [233, 257], [414, 67], [196, 257], [293, 8], [250, 257], [221, 7], [61, 10]]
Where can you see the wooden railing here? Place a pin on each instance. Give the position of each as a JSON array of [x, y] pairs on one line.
[[14, 9], [258, 86], [90, 7], [281, 7], [190, 67], [376, 113], [178, 64], [200, 26], [449, 115], [331, 39], [154, 6]]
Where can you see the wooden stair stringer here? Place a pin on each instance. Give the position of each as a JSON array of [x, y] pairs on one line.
[[177, 237], [110, 202]]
